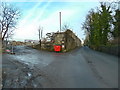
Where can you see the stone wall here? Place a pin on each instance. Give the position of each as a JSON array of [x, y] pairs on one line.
[[67, 39], [0, 46], [114, 50], [72, 41], [59, 37]]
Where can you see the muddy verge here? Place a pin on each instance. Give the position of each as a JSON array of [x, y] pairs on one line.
[[18, 75]]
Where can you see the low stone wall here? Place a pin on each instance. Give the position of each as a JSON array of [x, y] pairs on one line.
[[114, 50], [0, 46], [46, 47]]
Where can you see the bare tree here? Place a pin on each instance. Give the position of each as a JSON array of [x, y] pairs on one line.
[[65, 27], [9, 16], [50, 36]]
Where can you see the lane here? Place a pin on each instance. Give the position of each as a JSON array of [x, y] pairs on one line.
[[72, 72], [104, 66], [81, 68]]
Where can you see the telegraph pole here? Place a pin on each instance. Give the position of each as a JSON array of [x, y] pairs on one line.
[[40, 30], [60, 21], [39, 33]]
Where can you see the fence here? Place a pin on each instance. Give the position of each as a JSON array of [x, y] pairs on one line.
[[114, 50]]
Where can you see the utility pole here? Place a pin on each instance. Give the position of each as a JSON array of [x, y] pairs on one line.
[[60, 21], [40, 30], [39, 33], [39, 37]]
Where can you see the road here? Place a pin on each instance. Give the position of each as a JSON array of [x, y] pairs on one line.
[[80, 68]]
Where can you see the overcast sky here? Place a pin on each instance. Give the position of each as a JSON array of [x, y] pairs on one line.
[[46, 15]]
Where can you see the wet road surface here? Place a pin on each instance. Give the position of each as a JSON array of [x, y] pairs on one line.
[[80, 68]]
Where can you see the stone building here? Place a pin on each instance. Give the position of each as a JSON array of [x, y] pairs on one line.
[[68, 40]]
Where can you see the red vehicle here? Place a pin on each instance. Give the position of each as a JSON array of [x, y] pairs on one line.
[[57, 47]]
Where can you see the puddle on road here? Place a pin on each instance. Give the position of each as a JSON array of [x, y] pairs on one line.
[[33, 60], [32, 57]]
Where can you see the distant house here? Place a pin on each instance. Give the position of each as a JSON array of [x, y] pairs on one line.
[[15, 43], [31, 42]]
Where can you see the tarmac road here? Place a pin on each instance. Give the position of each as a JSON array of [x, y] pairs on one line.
[[80, 68]]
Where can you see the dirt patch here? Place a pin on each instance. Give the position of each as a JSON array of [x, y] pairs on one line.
[[18, 75]]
